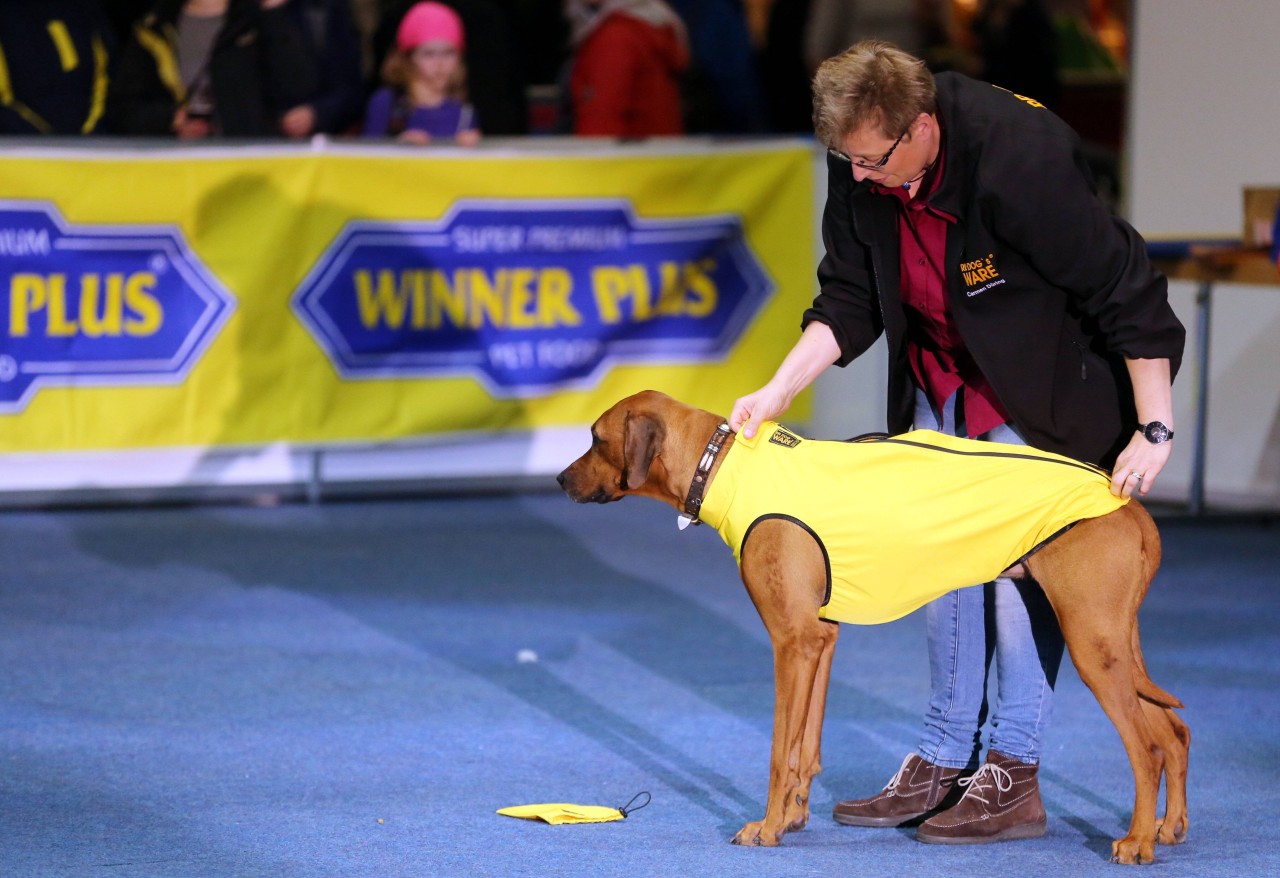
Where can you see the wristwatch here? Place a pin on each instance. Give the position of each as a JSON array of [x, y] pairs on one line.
[[1155, 432]]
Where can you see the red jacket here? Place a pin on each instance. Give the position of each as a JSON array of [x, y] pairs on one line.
[[626, 80]]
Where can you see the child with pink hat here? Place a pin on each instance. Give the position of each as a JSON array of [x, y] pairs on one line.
[[424, 98]]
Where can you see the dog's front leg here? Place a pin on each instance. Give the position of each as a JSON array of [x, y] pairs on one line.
[[785, 574], [795, 670], [797, 815]]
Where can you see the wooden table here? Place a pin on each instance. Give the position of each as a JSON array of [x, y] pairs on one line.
[[1208, 263]]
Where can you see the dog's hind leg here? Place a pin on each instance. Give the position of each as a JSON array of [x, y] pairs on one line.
[[1095, 576], [785, 574], [1100, 652], [1175, 741]]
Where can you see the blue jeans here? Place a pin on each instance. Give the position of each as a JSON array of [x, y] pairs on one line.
[[1008, 619]]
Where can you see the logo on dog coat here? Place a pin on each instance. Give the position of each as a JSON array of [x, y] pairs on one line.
[[785, 439], [104, 305]]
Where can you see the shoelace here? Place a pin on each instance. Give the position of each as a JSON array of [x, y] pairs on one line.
[[979, 781], [892, 786]]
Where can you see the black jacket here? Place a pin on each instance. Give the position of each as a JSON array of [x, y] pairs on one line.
[[260, 67], [54, 66], [331, 33], [1063, 290]]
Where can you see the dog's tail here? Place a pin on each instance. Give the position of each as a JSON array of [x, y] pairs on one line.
[[1142, 682], [1151, 551], [1153, 693]]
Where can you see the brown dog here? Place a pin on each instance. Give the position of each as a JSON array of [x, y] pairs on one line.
[[1095, 576]]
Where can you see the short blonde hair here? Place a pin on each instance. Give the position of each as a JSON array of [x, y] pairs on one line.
[[870, 83]]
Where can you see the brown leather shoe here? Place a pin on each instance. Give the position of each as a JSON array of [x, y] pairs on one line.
[[919, 788], [1002, 803]]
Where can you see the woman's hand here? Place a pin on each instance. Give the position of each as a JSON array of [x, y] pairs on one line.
[[1138, 465], [815, 351], [752, 410], [1141, 461]]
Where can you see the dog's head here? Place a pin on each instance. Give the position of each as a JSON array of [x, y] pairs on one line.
[[625, 443]]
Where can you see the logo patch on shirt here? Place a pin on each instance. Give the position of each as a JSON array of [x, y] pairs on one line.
[[1026, 100], [784, 438], [980, 275]]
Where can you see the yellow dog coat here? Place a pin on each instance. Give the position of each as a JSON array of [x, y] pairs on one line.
[[903, 519]]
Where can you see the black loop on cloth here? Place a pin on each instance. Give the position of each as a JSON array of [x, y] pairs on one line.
[[626, 809]]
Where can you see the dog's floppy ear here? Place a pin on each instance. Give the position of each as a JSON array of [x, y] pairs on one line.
[[643, 435]]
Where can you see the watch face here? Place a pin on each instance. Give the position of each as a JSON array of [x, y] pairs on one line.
[[1156, 432]]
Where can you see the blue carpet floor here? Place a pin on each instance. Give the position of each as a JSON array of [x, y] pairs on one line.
[[339, 690]]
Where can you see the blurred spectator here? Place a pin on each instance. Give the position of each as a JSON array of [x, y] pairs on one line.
[[124, 14], [425, 95], [757, 12], [544, 54], [338, 102], [946, 43], [1018, 44], [783, 72], [196, 68], [54, 64], [835, 25], [366, 15], [495, 73], [628, 57], [723, 84], [544, 38]]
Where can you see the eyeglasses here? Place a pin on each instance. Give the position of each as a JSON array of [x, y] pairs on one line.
[[871, 166]]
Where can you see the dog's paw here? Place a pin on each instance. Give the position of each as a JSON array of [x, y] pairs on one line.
[[1128, 851], [1172, 832], [754, 834]]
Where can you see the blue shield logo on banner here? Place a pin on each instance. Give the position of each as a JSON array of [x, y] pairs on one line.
[[99, 305], [529, 297]]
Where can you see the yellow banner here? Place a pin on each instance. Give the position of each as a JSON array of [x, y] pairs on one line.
[[168, 298]]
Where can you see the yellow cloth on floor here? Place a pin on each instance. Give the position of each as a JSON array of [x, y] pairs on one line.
[[558, 813], [902, 519]]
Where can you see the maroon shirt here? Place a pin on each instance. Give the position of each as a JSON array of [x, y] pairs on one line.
[[939, 359]]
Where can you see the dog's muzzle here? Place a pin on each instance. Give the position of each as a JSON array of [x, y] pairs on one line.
[[599, 495]]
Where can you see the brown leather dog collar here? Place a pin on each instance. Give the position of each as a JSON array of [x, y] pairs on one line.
[[693, 501]]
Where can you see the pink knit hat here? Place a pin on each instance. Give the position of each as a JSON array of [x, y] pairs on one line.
[[429, 21]]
